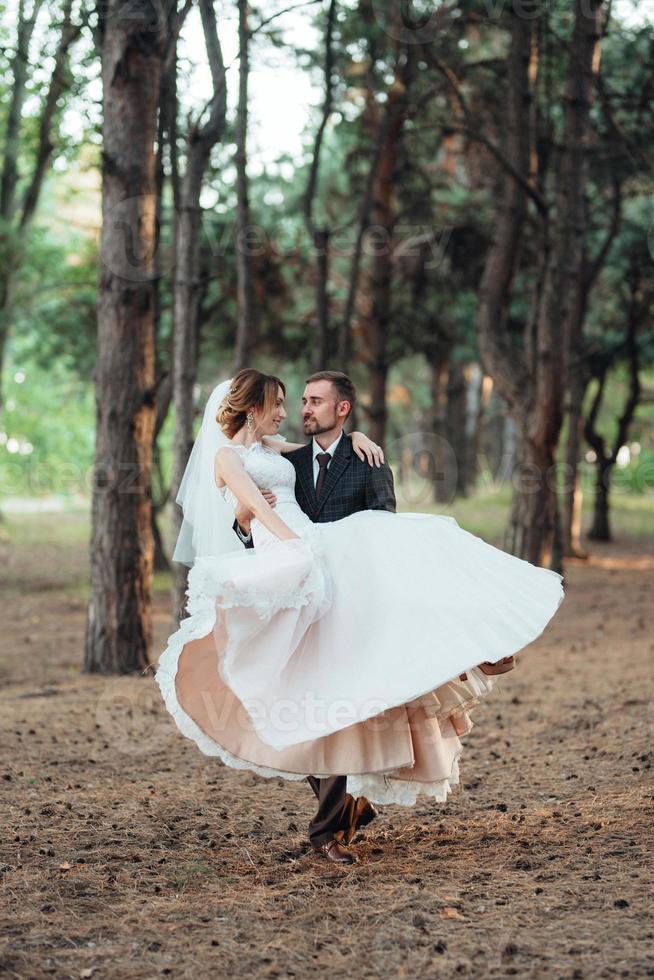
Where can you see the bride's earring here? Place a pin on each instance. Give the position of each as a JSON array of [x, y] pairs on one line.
[[249, 421]]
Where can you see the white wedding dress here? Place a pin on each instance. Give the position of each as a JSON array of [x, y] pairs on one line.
[[342, 652]]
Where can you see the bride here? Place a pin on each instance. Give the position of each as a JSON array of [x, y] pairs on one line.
[[350, 646]]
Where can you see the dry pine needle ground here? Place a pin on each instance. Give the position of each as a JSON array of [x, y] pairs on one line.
[[127, 853]]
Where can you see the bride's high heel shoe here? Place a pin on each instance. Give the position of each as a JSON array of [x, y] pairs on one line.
[[502, 666]]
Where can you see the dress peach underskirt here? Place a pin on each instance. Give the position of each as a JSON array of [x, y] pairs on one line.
[[409, 750]]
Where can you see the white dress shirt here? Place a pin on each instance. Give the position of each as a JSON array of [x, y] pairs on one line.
[[318, 449]]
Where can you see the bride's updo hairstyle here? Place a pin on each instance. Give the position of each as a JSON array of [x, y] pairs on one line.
[[250, 388]]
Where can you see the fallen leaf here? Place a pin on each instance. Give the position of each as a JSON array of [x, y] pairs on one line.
[[447, 912]]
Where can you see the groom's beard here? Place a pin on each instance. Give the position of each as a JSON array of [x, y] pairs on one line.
[[313, 428]]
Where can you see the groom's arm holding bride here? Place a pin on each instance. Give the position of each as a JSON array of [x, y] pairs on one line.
[[230, 471], [244, 517]]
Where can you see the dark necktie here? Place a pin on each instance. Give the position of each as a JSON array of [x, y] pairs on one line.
[[323, 463]]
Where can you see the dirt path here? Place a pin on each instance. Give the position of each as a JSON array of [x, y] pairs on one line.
[[126, 853]]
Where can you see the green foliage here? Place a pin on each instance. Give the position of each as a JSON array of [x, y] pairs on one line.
[[47, 430], [55, 305]]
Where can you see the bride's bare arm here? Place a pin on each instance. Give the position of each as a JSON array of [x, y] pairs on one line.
[[281, 445], [229, 468], [365, 448]]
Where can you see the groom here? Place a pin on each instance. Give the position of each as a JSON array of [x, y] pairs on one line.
[[331, 483]]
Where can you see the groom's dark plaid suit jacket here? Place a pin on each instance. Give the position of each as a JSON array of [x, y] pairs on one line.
[[351, 485]]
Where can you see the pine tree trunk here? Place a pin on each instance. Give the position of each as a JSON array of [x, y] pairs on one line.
[[185, 360], [188, 285], [576, 382], [166, 135], [600, 529], [530, 533], [533, 384], [564, 261], [119, 626], [322, 345], [491, 439], [638, 311], [439, 461], [578, 379], [320, 234], [456, 427], [572, 497], [507, 368], [375, 325], [244, 267], [479, 392]]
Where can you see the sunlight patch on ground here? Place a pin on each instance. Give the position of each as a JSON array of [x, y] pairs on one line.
[[639, 563]]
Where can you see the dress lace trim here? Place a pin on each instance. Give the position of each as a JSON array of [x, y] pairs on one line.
[[451, 708]]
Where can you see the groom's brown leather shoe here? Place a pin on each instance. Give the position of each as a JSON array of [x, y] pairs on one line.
[[502, 666], [364, 813], [335, 851]]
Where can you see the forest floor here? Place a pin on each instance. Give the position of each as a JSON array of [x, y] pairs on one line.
[[126, 853]]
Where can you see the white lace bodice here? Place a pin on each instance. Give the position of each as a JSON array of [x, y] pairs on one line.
[[269, 470]]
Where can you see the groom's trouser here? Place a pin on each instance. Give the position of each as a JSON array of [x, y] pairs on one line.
[[335, 808]]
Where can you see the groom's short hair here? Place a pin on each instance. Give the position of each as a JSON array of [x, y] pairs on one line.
[[345, 390]]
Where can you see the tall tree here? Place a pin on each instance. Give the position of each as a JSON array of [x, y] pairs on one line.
[[16, 211], [498, 357], [131, 41], [320, 234], [376, 294], [244, 266], [166, 141], [201, 138], [578, 377], [618, 166], [533, 380], [534, 516], [638, 296]]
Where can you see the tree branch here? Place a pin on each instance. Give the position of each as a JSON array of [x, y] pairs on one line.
[[59, 82], [211, 131], [473, 132]]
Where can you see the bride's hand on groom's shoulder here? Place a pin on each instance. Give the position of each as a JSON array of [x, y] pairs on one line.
[[366, 449]]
